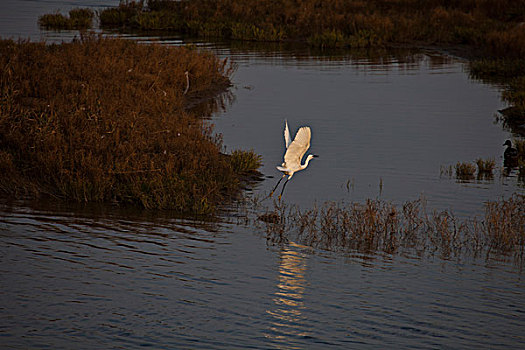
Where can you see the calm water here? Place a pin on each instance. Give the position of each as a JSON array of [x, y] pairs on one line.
[[383, 126], [384, 129]]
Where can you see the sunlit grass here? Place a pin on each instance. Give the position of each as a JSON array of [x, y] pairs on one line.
[[107, 120], [245, 161]]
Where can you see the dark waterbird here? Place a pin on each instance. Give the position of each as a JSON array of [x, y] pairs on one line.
[[510, 153], [510, 156]]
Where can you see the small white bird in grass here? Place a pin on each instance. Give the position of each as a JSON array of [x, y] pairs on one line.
[[187, 74], [295, 151]]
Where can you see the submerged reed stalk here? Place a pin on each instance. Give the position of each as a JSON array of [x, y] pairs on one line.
[[107, 120]]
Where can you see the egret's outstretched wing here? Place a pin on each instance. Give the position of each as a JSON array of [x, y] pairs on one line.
[[298, 148], [287, 138]]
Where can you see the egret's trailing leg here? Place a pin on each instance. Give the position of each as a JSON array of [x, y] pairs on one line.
[[282, 190], [278, 182]]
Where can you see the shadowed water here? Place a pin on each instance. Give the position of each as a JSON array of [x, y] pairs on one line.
[[384, 123]]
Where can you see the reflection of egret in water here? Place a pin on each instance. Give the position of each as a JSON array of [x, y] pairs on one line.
[[287, 323]]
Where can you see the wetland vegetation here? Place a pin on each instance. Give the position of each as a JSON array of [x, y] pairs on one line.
[[78, 19], [489, 32], [108, 152], [107, 120], [381, 226]]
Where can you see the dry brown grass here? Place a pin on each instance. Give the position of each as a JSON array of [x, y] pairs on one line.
[[107, 120], [380, 226]]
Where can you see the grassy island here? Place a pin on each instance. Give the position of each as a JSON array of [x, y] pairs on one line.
[[109, 120], [78, 19]]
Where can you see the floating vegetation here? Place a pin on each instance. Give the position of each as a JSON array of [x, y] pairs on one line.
[[107, 120], [380, 226], [79, 18]]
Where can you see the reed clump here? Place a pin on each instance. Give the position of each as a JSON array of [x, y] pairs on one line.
[[465, 170], [79, 18], [380, 226], [485, 167], [245, 161], [107, 120]]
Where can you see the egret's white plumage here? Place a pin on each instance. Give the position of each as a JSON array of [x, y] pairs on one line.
[[287, 138], [295, 151]]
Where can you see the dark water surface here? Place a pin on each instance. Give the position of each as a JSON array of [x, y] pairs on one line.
[[383, 125]]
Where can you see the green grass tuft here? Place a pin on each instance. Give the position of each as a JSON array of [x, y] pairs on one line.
[[245, 161]]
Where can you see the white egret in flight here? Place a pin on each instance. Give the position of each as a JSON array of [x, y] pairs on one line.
[[295, 151]]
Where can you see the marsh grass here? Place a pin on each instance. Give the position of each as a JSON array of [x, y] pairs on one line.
[[245, 161], [79, 18], [380, 226], [106, 120], [485, 168], [489, 25], [465, 171], [489, 29]]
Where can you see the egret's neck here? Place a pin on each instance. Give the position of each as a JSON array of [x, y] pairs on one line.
[[306, 162]]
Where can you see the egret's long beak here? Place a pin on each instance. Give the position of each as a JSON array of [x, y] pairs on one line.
[[315, 156]]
